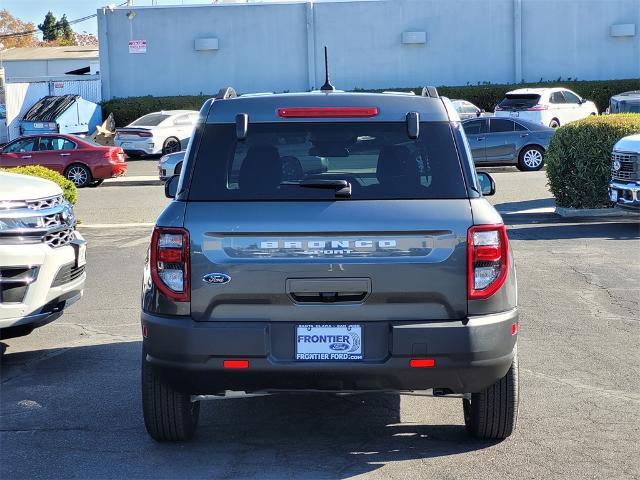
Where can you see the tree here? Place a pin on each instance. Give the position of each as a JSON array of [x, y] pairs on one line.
[[65, 29], [49, 28], [10, 25], [66, 34]]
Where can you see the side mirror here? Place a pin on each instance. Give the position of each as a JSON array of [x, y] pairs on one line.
[[171, 186], [487, 185]]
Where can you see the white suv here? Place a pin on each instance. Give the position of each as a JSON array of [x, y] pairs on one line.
[[42, 256], [548, 106]]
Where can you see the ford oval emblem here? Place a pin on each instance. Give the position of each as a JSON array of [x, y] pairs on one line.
[[216, 278], [339, 346]]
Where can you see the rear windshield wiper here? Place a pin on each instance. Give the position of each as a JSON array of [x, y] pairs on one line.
[[341, 187]]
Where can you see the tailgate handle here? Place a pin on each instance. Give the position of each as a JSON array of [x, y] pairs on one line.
[[328, 290]]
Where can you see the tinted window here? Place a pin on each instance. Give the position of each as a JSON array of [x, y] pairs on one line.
[[151, 120], [473, 127], [519, 101], [378, 159], [570, 97], [557, 97], [24, 145], [500, 125], [56, 143], [519, 128]]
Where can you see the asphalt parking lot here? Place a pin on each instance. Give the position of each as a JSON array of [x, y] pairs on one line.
[[70, 402]]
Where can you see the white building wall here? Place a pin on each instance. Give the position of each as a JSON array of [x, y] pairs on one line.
[[24, 69], [278, 47]]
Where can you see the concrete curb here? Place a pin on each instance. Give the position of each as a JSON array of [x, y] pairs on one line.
[[594, 212], [132, 182]]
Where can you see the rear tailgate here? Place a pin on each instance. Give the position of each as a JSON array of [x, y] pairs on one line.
[[311, 262]]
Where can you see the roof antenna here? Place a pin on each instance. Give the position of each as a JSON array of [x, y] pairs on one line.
[[327, 87]]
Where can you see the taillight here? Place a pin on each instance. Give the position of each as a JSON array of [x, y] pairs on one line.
[[144, 134], [488, 260], [536, 108], [169, 258], [328, 112]]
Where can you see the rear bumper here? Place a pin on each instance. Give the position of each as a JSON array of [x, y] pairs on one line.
[[469, 355]]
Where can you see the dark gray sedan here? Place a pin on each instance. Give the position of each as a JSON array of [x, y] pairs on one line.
[[504, 141]]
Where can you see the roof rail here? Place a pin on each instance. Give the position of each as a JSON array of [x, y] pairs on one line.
[[430, 91], [225, 93]]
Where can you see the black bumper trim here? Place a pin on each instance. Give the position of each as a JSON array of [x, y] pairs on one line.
[[470, 355]]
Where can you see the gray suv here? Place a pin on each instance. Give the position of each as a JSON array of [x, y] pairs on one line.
[[386, 271]]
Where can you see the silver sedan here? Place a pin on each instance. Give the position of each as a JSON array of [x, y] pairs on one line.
[[504, 141], [170, 165]]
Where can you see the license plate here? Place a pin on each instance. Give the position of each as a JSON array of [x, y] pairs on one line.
[[80, 247], [515, 114], [328, 342], [613, 195]]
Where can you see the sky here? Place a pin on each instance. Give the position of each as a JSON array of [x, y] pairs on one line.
[[34, 10]]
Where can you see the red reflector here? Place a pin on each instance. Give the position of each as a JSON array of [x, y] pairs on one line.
[[145, 331], [422, 363], [488, 253], [328, 112], [514, 328], [235, 364], [170, 255]]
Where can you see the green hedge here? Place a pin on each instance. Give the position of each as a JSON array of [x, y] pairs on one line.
[[68, 187], [126, 110], [579, 159]]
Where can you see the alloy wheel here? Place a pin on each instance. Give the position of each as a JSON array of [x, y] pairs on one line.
[[78, 175], [171, 146], [532, 158]]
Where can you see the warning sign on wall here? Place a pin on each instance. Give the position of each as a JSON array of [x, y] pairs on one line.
[[137, 46]]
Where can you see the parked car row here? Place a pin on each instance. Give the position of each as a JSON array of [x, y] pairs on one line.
[[79, 159]]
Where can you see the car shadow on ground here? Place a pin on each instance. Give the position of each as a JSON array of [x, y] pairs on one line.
[[519, 206], [85, 402], [592, 229]]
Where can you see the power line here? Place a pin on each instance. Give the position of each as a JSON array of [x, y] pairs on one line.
[[71, 22]]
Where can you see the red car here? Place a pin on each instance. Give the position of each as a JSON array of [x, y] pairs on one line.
[[81, 160]]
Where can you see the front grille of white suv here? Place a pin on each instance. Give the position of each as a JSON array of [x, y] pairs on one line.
[[43, 203], [55, 224]]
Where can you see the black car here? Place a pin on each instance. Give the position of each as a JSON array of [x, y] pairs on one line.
[[504, 141]]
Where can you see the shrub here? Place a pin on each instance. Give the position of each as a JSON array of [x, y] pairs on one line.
[[579, 159], [126, 110], [68, 188]]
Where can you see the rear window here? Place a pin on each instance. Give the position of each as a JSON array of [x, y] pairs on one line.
[[290, 161], [519, 101], [150, 120]]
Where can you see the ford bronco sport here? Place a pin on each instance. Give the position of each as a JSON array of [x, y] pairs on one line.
[[386, 271]]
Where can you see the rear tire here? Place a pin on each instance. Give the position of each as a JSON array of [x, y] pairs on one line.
[[79, 174], [169, 415], [531, 158], [171, 145], [492, 413]]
